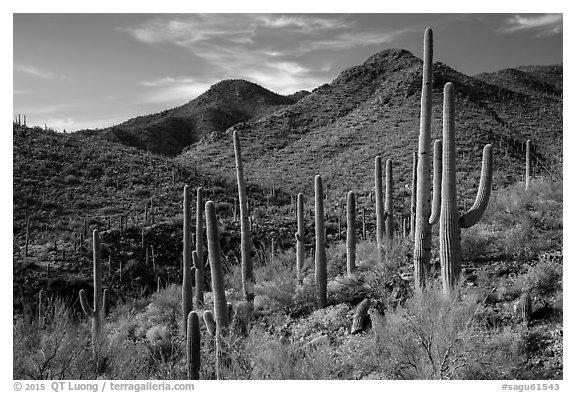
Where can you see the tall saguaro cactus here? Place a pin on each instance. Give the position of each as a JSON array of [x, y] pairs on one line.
[[220, 312], [245, 238], [193, 346], [321, 270], [436, 189], [186, 259], [96, 312], [413, 196], [351, 233], [220, 305], [422, 234], [450, 220], [300, 246], [389, 202], [380, 226], [528, 162], [199, 263]]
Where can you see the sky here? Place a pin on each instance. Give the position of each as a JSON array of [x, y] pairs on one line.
[[77, 71]]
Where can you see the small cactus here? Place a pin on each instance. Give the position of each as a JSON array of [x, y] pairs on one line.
[[380, 226], [186, 261], [450, 220], [245, 237], [300, 246], [96, 312], [525, 307], [193, 346], [350, 233], [41, 309], [413, 196], [321, 260], [528, 162], [389, 203], [436, 188]]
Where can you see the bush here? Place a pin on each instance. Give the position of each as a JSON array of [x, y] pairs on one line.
[[56, 350]]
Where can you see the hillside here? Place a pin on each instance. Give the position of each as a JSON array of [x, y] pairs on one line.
[[503, 319], [532, 80], [226, 103], [373, 109]]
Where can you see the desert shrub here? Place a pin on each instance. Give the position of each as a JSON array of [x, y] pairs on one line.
[[274, 359], [57, 350], [518, 223], [544, 278], [432, 338]]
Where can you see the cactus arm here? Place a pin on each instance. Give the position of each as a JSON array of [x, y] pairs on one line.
[[422, 233], [436, 188], [186, 257], [472, 216], [320, 261], [245, 237], [85, 304], [209, 322], [220, 305]]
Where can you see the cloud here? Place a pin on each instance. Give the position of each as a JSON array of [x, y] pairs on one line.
[[349, 40], [38, 72], [542, 25], [303, 23], [268, 49], [173, 90]]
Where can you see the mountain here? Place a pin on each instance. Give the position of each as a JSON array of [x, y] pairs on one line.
[[226, 103], [534, 80], [374, 108]]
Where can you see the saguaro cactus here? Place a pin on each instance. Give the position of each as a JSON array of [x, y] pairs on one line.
[[300, 246], [351, 233], [413, 196], [321, 270], [525, 308], [96, 312], [389, 202], [422, 234], [193, 346], [528, 162], [380, 228], [199, 263], [186, 265], [41, 309], [450, 220], [220, 305], [245, 238], [436, 189]]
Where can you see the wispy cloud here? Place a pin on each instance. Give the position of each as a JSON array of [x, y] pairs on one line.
[[303, 23], [38, 72], [268, 49], [173, 89], [541, 25]]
